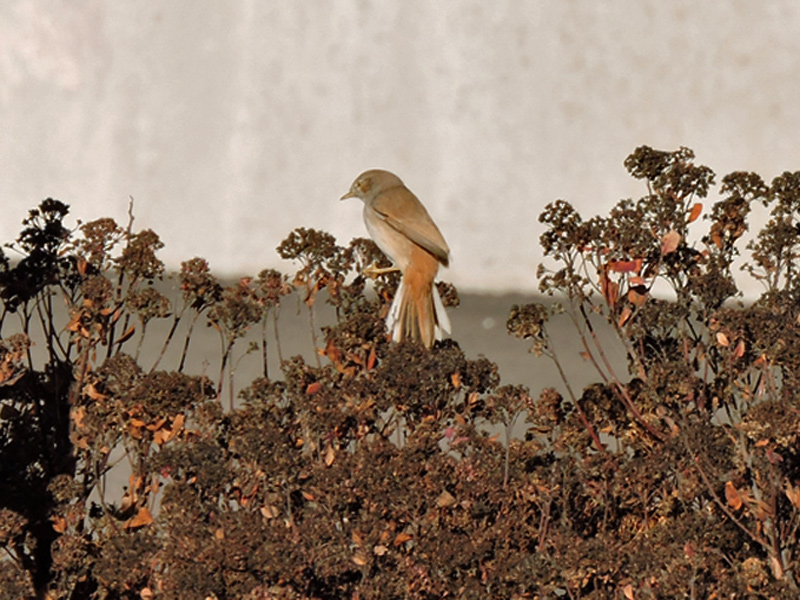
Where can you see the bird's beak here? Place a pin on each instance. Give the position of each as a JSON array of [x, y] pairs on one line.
[[349, 194]]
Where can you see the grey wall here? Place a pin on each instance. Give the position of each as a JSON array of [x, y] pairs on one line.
[[230, 123]]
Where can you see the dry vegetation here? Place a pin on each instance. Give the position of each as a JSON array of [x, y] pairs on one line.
[[373, 472]]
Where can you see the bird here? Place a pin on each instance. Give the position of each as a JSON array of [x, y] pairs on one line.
[[404, 231]]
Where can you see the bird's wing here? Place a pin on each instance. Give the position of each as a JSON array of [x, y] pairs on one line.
[[413, 221]]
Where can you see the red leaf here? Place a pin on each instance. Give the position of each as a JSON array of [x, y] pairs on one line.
[[313, 388], [626, 266]]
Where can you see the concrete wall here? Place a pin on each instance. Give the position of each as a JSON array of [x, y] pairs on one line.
[[230, 123]]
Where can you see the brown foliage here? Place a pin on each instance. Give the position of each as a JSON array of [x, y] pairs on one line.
[[384, 470]]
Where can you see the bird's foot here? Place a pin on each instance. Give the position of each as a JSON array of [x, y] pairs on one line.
[[372, 271]]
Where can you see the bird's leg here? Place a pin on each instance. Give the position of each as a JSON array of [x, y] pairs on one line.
[[372, 271]]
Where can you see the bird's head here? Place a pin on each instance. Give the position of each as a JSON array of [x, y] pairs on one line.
[[371, 183]]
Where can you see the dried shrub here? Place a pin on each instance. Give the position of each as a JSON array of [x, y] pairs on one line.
[[382, 470]]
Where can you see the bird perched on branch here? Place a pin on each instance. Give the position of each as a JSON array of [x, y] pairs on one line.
[[405, 232]]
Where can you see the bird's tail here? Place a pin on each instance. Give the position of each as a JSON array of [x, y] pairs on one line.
[[417, 311]]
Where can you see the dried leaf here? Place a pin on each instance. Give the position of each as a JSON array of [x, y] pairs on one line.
[[688, 550], [142, 518], [455, 379], [722, 339], [59, 523], [637, 295], [177, 424], [696, 210], [269, 511], [78, 413], [773, 457], [92, 393], [219, 533], [360, 558], [732, 495], [793, 494], [380, 550], [626, 266], [738, 352], [127, 335], [330, 456], [401, 539], [446, 500], [627, 591], [670, 242], [313, 388], [626, 314], [610, 289]]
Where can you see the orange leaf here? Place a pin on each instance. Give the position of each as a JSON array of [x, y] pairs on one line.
[[732, 495], [722, 340], [793, 494], [610, 290], [142, 518], [330, 456], [127, 335], [77, 414], [627, 591], [401, 538], [59, 523], [269, 511], [313, 388], [626, 314], [455, 379], [670, 242], [637, 295], [82, 264], [696, 210], [92, 392], [445, 500], [688, 550], [738, 352]]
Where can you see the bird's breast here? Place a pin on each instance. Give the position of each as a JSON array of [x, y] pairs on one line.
[[391, 242]]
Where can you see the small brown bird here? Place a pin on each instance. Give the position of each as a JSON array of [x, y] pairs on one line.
[[405, 232]]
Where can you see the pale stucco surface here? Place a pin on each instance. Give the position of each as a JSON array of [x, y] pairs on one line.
[[230, 123]]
